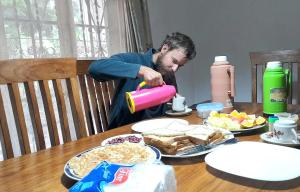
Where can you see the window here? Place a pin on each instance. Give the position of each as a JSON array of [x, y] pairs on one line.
[[50, 28], [53, 28]]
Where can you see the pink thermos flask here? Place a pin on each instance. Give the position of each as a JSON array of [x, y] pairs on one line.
[[222, 83], [149, 97]]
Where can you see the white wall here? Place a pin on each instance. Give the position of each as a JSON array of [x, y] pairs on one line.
[[225, 27]]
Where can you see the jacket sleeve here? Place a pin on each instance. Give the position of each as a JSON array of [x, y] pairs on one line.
[[116, 67]]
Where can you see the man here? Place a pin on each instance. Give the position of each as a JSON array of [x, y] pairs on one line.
[[154, 67]]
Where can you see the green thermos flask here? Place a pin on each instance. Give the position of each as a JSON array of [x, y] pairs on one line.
[[276, 85]]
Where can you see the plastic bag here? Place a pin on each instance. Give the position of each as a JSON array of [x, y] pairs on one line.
[[144, 177]]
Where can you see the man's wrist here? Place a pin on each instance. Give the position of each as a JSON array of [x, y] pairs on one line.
[[141, 71]]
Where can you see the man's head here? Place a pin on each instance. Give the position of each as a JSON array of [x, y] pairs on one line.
[[175, 51]]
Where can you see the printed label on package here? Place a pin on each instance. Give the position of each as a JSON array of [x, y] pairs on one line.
[[104, 174]]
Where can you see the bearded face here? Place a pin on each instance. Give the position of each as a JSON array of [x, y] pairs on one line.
[[160, 67]]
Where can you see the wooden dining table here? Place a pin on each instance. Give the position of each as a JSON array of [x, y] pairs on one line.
[[44, 170]]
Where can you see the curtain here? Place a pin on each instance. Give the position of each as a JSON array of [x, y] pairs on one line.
[[131, 22]]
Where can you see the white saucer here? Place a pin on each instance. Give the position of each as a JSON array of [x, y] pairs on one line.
[[185, 112], [269, 138]]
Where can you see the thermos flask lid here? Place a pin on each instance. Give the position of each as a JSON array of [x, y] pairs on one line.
[[273, 64], [220, 59]]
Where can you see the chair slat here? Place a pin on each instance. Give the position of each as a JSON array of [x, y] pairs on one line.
[[35, 115], [86, 106], [62, 110], [254, 83], [106, 98], [73, 90], [290, 93], [94, 107], [4, 133], [101, 106], [298, 80], [19, 117], [49, 112], [111, 91]]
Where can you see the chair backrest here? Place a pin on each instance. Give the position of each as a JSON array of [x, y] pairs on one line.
[[290, 59], [46, 102]]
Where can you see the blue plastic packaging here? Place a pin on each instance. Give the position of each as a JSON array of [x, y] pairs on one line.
[[104, 174], [204, 109]]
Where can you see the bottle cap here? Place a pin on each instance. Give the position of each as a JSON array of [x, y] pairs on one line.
[[272, 119], [221, 59], [273, 64]]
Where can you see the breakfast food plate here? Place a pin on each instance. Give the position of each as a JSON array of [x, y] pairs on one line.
[[180, 113], [227, 136], [269, 138], [132, 138], [148, 125], [236, 122], [246, 130], [238, 131], [125, 153], [183, 141]]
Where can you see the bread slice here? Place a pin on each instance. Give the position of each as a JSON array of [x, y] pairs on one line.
[[167, 145], [164, 132], [200, 135], [218, 136], [178, 126]]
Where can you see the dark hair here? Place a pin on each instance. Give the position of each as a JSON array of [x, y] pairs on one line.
[[178, 40]]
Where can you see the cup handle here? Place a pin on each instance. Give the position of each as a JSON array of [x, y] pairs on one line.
[[296, 135], [232, 83]]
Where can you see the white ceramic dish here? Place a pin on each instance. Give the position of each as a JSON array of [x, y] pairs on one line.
[[173, 113], [269, 138], [256, 160], [105, 142], [152, 124], [70, 173], [228, 135]]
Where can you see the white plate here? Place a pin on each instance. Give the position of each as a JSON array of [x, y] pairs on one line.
[[269, 138], [228, 135], [172, 113], [105, 142], [255, 160], [152, 124], [238, 131], [70, 173]]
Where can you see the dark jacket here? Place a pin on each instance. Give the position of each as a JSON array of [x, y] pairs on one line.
[[125, 67]]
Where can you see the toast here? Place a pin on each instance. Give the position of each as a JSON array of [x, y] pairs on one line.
[[168, 145], [178, 137]]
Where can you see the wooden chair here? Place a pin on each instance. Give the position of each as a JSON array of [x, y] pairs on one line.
[[58, 88], [290, 59]]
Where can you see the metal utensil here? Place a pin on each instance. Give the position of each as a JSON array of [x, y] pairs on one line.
[[201, 147]]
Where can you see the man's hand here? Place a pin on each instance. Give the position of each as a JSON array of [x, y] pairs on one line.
[[152, 78]]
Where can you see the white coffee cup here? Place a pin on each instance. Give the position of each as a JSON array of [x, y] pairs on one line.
[[287, 116], [178, 103], [285, 131]]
